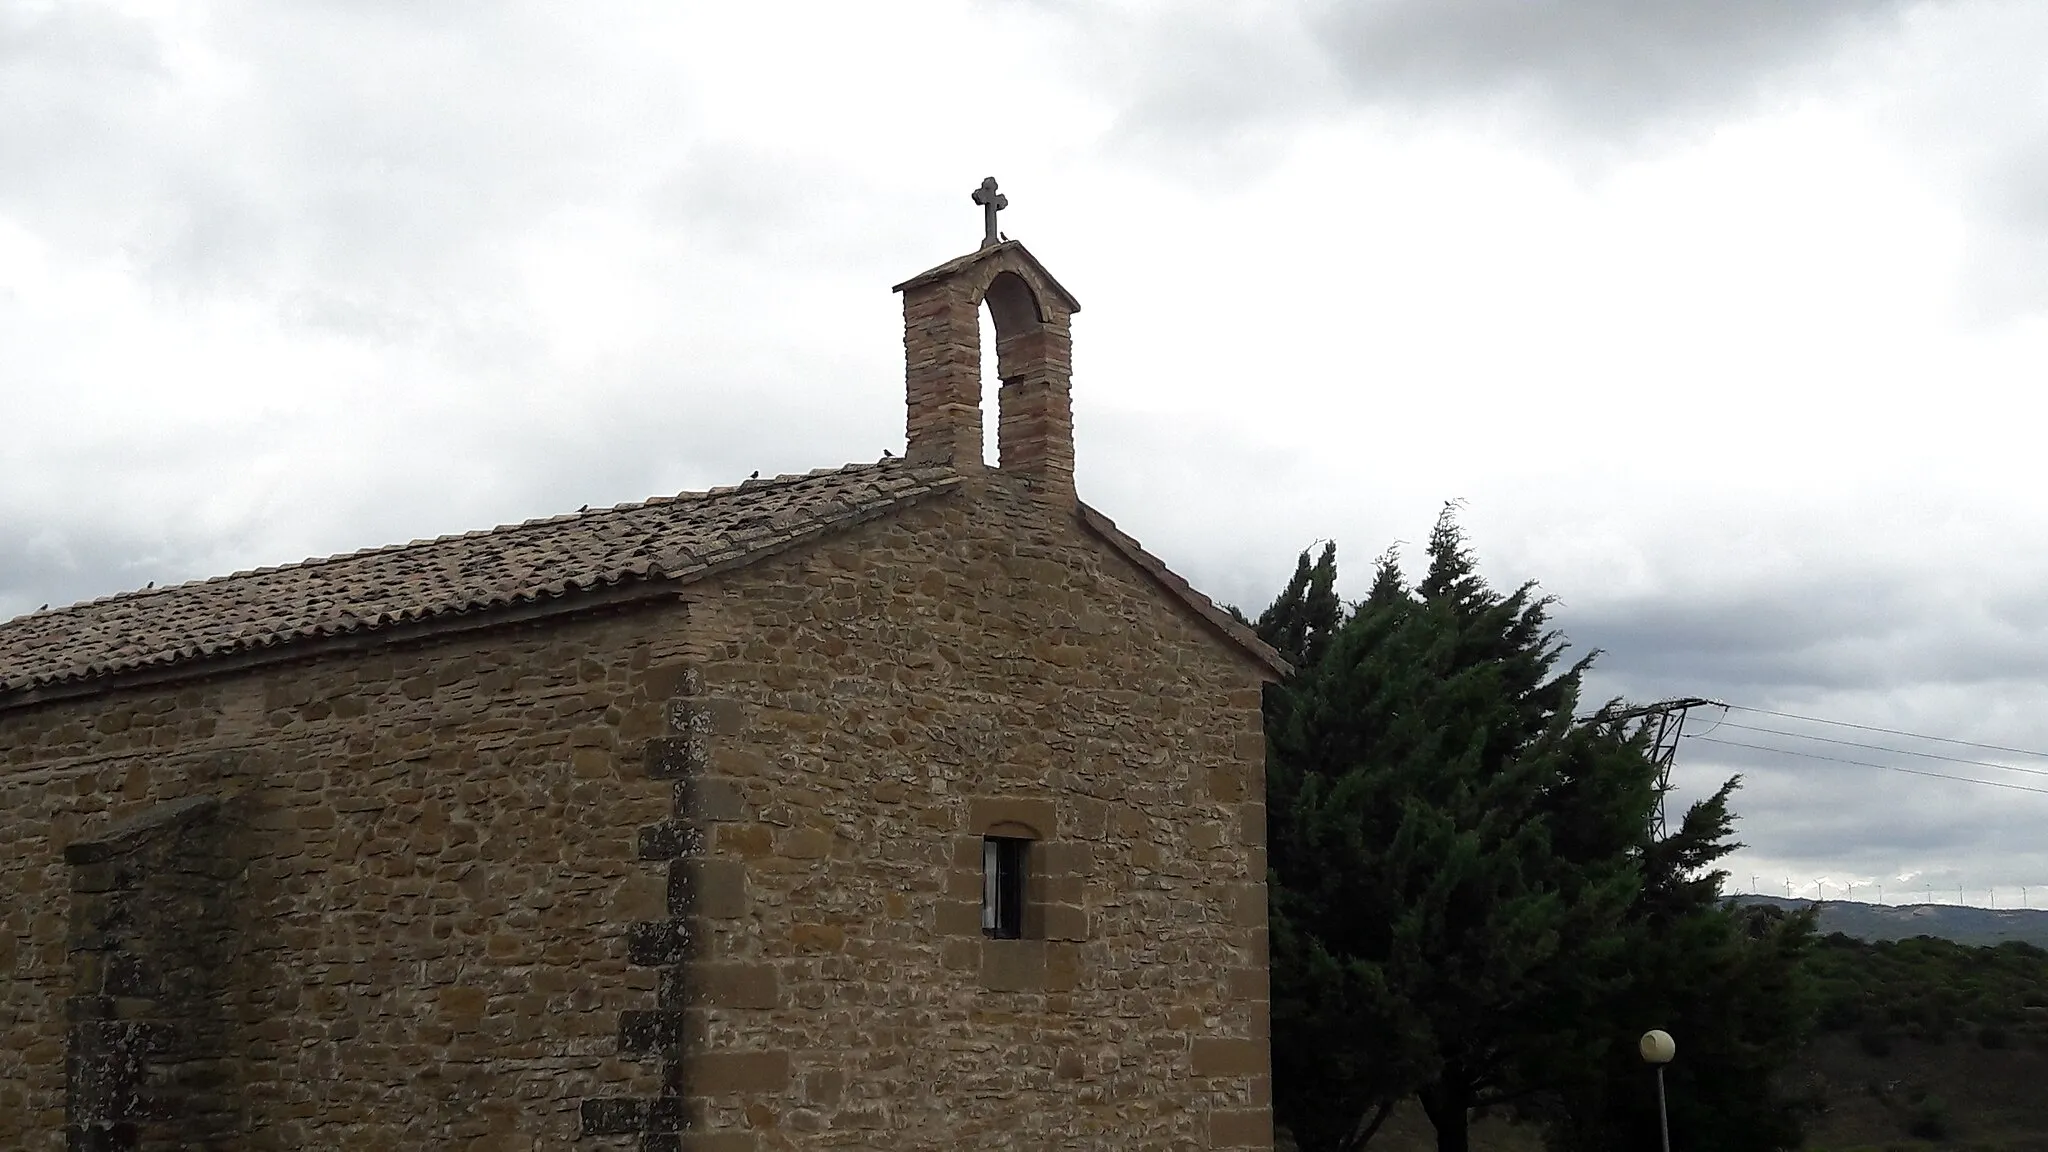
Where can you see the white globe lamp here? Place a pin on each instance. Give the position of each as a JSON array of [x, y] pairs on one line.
[[1658, 1048]]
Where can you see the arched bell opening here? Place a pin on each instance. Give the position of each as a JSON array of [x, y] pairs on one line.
[[1011, 323]]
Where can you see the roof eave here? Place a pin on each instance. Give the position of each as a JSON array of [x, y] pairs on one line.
[[286, 649], [1247, 641]]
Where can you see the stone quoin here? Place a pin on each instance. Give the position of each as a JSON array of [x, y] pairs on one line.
[[665, 826]]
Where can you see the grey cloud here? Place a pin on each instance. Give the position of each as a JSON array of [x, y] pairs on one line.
[[2018, 191], [1902, 651], [1605, 66], [316, 163], [376, 174], [604, 442], [1835, 635], [1230, 84], [1809, 819], [45, 561], [742, 197], [2006, 185]]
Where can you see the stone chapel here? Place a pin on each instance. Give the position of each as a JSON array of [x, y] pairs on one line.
[[906, 805]]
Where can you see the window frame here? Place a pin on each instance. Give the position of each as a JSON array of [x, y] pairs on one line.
[[1005, 863]]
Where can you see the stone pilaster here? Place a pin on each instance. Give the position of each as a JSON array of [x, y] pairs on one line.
[[145, 1066], [697, 887]]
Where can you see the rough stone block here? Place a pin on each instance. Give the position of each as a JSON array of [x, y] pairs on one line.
[[961, 955], [1062, 967], [989, 813], [667, 1114], [745, 840], [1013, 965], [735, 986], [1256, 946], [676, 679], [1248, 905], [1251, 824], [642, 1032], [1226, 784], [708, 716], [1213, 1056], [720, 1142], [1250, 984], [127, 974], [616, 1116], [958, 918], [709, 887], [653, 943], [722, 1073], [965, 853], [674, 757], [1259, 1091], [1091, 817], [669, 840], [1249, 1128], [713, 799], [805, 844], [1065, 922], [1066, 857]]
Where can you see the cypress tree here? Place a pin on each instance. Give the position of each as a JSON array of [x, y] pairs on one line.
[[1299, 623], [1467, 904], [1730, 984], [1450, 855]]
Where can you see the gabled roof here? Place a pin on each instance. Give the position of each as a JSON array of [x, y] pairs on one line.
[[559, 563], [958, 263], [662, 541]]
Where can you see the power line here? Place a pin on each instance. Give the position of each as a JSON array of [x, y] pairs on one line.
[[1891, 731], [1868, 764], [1882, 748]]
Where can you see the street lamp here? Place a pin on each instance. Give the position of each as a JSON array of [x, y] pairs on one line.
[[1658, 1048]]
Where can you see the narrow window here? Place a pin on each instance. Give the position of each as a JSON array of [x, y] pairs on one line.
[[1002, 887]]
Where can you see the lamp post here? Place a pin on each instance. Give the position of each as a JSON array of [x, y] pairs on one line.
[[1658, 1048]]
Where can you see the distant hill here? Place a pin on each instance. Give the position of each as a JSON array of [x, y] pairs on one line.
[[1904, 921]]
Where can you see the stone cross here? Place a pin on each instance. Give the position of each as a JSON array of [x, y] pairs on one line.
[[991, 202]]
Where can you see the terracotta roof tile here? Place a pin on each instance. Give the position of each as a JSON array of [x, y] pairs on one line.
[[677, 538]]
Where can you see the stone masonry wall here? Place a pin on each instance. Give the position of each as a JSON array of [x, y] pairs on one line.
[[434, 874], [883, 700]]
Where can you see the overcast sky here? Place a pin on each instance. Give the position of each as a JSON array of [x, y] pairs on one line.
[[1724, 318]]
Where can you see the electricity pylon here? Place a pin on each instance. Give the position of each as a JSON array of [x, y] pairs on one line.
[[1665, 721]]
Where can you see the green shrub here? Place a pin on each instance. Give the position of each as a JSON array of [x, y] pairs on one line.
[[1930, 1120], [1840, 1015]]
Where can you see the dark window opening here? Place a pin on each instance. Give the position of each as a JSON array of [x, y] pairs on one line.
[[1002, 887]]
